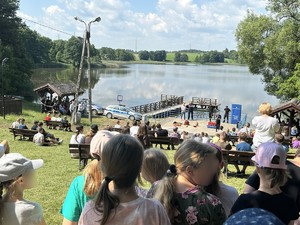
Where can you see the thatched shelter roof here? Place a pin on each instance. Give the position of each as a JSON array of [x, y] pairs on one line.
[[61, 89]]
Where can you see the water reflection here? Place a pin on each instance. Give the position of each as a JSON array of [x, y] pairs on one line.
[[142, 83]]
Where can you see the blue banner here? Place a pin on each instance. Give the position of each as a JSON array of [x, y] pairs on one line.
[[236, 113]]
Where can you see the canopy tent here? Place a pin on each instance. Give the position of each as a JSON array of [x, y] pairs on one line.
[[60, 89]]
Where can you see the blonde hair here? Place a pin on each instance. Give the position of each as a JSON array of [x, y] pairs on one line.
[[92, 178], [190, 153], [9, 187], [155, 165], [278, 177], [265, 108]]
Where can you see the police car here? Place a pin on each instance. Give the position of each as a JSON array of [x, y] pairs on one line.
[[121, 112]]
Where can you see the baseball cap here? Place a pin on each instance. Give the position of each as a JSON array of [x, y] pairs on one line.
[[98, 142], [13, 165], [253, 216], [270, 155]]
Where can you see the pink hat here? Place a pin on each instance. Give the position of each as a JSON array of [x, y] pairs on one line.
[[98, 142], [270, 155]]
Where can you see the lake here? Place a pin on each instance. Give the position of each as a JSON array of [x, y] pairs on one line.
[[144, 83]]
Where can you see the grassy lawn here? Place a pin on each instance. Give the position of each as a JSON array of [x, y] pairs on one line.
[[59, 169]]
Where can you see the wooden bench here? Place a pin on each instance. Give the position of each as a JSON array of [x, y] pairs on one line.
[[165, 140], [82, 152], [53, 124], [234, 139], [240, 158], [23, 133]]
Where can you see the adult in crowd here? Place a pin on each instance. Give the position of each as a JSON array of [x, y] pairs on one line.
[[242, 146], [160, 132], [181, 190], [17, 175], [35, 125], [134, 129], [90, 134], [218, 123], [117, 202], [143, 136], [182, 111], [227, 194], [48, 136], [16, 123], [39, 138], [78, 137], [247, 129], [291, 187], [65, 124], [265, 126], [226, 114], [191, 111], [22, 125], [271, 168], [175, 137]]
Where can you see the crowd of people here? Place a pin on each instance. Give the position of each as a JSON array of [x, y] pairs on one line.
[[186, 190]]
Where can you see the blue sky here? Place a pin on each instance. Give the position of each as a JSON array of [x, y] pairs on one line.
[[144, 24]]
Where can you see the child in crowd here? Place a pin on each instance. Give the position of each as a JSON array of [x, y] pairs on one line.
[[16, 123], [48, 117], [271, 168], [205, 138], [65, 124], [296, 142], [79, 137], [35, 125], [22, 125], [39, 138], [216, 138], [117, 202], [279, 139], [155, 166], [17, 175], [242, 146], [181, 190], [227, 194]]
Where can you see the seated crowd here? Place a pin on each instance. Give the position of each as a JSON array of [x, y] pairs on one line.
[[187, 190]]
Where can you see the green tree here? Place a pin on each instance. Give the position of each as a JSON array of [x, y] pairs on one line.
[[270, 46], [73, 49], [144, 55], [177, 57]]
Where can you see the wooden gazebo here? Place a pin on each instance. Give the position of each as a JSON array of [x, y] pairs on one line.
[[60, 89], [290, 110]]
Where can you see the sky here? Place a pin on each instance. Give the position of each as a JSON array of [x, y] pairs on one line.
[[143, 24]]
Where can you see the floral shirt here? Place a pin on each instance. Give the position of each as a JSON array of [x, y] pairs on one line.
[[197, 207]]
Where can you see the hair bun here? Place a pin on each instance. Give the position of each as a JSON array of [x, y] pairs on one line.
[[173, 169]]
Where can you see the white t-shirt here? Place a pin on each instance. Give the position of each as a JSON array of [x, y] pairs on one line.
[[134, 131], [227, 195], [22, 213], [265, 129], [205, 140], [53, 118], [2, 150], [38, 139], [117, 126], [246, 130], [15, 124], [137, 212], [79, 140]]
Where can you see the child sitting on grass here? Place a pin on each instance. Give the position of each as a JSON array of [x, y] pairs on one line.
[[181, 190], [17, 175]]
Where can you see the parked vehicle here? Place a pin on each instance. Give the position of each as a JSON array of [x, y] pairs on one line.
[[121, 112], [96, 109]]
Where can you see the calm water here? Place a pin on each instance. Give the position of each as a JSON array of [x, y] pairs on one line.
[[142, 83]]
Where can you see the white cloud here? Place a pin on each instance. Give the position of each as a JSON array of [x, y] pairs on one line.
[[173, 24]]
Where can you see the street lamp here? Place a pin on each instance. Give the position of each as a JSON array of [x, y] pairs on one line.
[[87, 44], [2, 86]]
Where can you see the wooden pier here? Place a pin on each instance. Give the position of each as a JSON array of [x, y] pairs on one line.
[[166, 102]]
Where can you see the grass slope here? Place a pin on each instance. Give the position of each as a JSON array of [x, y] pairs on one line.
[[59, 169]]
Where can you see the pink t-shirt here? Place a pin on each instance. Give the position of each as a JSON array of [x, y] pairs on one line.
[[141, 211]]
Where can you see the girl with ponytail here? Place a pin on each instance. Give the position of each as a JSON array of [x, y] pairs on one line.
[[117, 202], [181, 190]]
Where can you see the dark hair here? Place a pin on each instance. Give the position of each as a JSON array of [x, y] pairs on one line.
[[134, 123], [121, 162], [158, 126], [243, 136], [79, 128], [40, 124]]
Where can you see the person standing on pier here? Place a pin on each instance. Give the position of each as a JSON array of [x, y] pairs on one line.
[[226, 115], [191, 111], [183, 110]]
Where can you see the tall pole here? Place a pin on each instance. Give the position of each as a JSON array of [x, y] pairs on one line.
[[88, 33], [2, 86], [87, 44], [74, 114]]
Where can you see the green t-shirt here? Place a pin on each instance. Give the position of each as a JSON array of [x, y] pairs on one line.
[[75, 200], [197, 207]]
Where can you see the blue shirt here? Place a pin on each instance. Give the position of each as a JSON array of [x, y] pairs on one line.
[[244, 147], [75, 200]]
